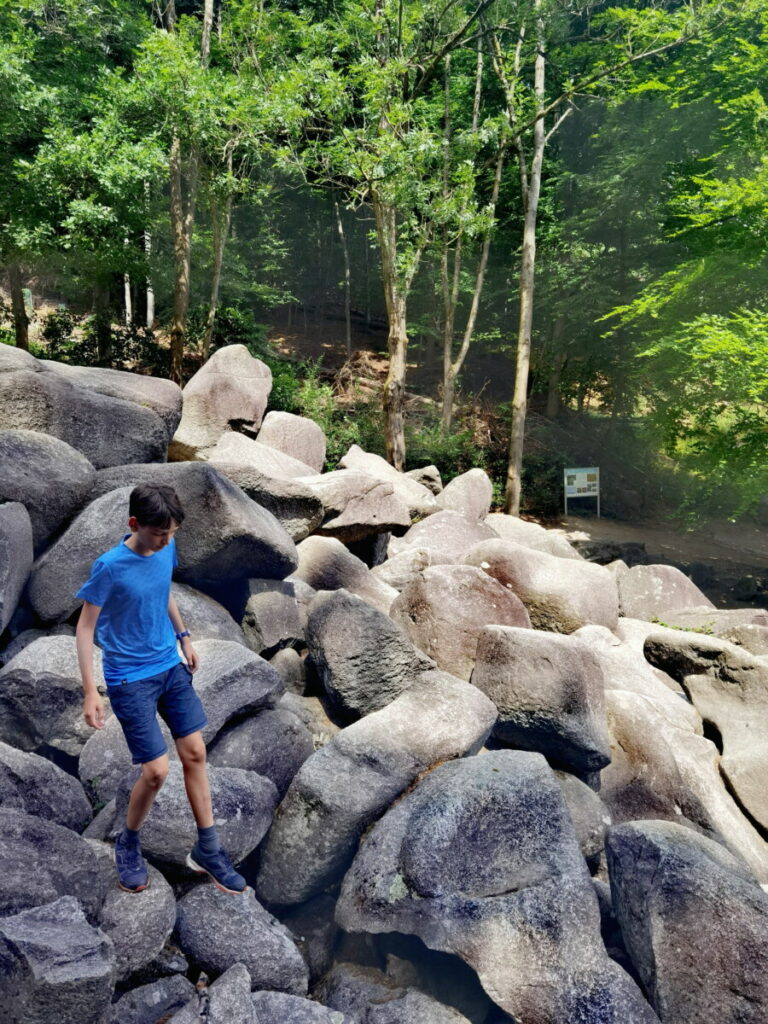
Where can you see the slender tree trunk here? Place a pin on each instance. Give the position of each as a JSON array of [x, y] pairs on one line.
[[149, 319], [347, 281], [553, 387], [527, 273], [127, 298], [397, 338], [205, 43], [103, 324], [20, 318], [221, 222]]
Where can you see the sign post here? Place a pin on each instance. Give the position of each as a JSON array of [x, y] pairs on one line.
[[582, 483]]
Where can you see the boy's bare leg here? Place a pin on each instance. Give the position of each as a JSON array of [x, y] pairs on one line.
[[192, 755], [146, 788]]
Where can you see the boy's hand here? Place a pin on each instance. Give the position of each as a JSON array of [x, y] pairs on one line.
[[189, 652], [93, 710]]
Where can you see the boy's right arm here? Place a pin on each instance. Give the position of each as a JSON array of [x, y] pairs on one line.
[[93, 705]]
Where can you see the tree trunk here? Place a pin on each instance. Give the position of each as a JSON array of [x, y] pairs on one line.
[[103, 324], [397, 337], [221, 224], [182, 223], [527, 274], [127, 298], [347, 282], [20, 318], [558, 360]]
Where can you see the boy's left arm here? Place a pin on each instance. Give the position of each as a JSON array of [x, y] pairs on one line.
[[188, 650]]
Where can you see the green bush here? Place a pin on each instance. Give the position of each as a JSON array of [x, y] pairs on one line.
[[234, 325]]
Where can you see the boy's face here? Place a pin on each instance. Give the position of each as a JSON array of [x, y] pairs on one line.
[[152, 538]]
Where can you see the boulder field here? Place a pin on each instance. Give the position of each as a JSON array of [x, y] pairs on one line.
[[468, 776]]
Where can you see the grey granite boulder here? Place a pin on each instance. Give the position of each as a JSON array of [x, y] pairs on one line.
[[273, 743], [363, 659], [28, 636], [729, 688], [297, 436], [752, 638], [719, 621], [271, 617], [295, 505], [16, 554], [470, 493], [314, 931], [49, 477], [205, 618], [561, 594], [289, 665], [138, 923], [371, 997], [279, 1008], [445, 608], [427, 476], [219, 929], [419, 499], [226, 1001], [37, 786], [399, 570], [531, 535], [149, 1003], [357, 505], [243, 804], [40, 861], [694, 923], [588, 813], [481, 860], [655, 591], [350, 782], [229, 392], [448, 536], [41, 696], [237, 449], [107, 430], [55, 966], [549, 690], [325, 564]]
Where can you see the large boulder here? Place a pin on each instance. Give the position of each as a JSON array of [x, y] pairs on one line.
[[107, 430], [55, 966], [326, 564], [149, 1003], [729, 688], [297, 436], [239, 450], [243, 805], [37, 786], [205, 618], [346, 785], [16, 554], [751, 637], [720, 621], [271, 617], [549, 690], [41, 861], [41, 696], [274, 743], [588, 813], [280, 1008], [470, 493], [448, 536], [227, 1001], [49, 477], [229, 392], [445, 608], [295, 505], [531, 535], [138, 923], [560, 594], [481, 860], [428, 476], [218, 930], [662, 767], [656, 591], [357, 505], [371, 997], [364, 660], [419, 499], [28, 636], [399, 570], [224, 535], [694, 923]]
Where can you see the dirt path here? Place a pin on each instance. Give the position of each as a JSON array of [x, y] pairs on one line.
[[734, 548]]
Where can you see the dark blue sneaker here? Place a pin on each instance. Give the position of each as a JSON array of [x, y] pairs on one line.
[[132, 874], [219, 867]]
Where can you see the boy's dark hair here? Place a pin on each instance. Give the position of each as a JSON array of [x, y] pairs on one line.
[[155, 505]]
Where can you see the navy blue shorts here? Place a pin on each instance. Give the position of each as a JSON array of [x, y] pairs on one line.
[[138, 703]]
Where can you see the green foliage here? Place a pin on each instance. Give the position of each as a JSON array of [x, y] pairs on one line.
[[453, 453], [234, 325]]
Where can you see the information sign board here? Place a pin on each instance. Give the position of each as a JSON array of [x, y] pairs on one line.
[[582, 482]]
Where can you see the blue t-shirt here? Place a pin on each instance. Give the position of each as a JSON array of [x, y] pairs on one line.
[[133, 630]]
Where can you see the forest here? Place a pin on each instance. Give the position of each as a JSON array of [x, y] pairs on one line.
[[520, 234]]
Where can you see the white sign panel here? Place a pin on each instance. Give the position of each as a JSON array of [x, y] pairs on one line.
[[582, 482]]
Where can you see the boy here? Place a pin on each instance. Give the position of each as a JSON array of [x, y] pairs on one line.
[[128, 602]]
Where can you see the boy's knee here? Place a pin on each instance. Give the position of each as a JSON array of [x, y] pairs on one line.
[[155, 774], [191, 751]]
